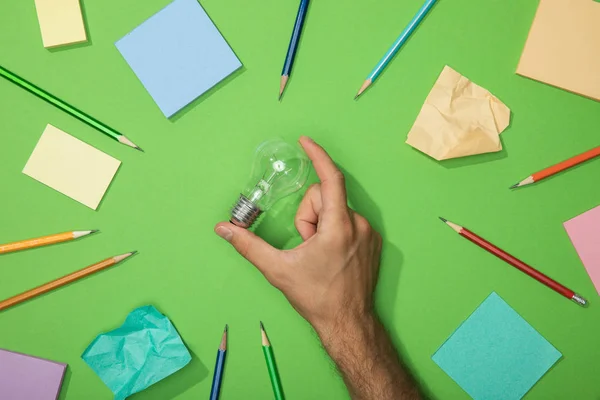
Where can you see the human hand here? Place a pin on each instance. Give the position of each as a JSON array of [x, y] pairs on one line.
[[329, 278]]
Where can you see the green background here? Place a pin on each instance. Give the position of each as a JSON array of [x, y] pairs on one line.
[[165, 202]]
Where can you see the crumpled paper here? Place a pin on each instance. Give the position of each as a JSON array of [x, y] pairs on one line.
[[141, 352], [459, 118]]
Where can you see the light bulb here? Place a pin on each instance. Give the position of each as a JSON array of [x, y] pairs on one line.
[[278, 170]]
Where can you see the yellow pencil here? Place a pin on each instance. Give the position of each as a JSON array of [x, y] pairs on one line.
[[43, 241]]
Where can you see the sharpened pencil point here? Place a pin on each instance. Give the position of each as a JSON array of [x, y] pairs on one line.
[[284, 79], [226, 328], [140, 149], [134, 252], [364, 87], [262, 327], [444, 220], [94, 231], [123, 139], [516, 185]]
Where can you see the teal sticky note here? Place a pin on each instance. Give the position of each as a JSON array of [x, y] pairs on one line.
[[178, 54], [495, 354], [141, 352]]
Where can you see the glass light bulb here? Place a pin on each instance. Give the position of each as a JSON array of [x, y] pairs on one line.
[[278, 170]]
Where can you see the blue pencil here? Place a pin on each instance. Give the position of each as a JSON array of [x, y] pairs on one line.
[[396, 46], [291, 53], [220, 364]]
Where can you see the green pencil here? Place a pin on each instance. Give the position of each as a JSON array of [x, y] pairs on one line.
[[69, 109], [271, 366]]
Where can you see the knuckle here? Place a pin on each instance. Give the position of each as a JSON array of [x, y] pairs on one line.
[[362, 225], [338, 175], [346, 232], [313, 187]]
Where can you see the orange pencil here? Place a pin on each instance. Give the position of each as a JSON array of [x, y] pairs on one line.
[[555, 169], [43, 241], [55, 284]]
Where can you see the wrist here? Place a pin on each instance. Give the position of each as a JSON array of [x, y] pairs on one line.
[[356, 324]]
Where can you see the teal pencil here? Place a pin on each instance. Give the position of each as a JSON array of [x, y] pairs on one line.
[[410, 28]]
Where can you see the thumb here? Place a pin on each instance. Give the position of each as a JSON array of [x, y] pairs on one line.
[[264, 256]]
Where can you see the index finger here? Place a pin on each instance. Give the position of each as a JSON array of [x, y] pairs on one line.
[[333, 185]]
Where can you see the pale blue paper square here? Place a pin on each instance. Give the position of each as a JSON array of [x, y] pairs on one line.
[[495, 354], [178, 54]]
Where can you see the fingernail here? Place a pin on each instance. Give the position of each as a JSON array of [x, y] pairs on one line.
[[224, 233]]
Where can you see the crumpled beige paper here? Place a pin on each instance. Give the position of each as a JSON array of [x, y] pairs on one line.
[[459, 118]]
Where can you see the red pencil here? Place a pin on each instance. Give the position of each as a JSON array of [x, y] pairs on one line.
[[515, 262], [555, 169]]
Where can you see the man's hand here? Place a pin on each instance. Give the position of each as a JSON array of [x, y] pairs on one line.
[[330, 279], [332, 274]]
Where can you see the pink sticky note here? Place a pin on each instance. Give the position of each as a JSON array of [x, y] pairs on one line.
[[584, 231]]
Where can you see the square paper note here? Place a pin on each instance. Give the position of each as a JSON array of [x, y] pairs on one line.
[[24, 377], [178, 54], [584, 231], [495, 353], [71, 166], [60, 22], [562, 47]]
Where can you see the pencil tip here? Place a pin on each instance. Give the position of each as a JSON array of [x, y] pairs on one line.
[[282, 83], [262, 327], [134, 252], [516, 185], [226, 327], [364, 87], [280, 96], [444, 220], [140, 149], [94, 231]]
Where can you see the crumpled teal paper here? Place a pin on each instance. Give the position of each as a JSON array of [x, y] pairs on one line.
[[141, 352]]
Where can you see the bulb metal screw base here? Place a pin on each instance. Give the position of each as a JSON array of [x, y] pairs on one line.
[[244, 213]]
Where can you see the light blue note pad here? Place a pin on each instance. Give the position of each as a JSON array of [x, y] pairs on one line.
[[178, 54], [495, 354]]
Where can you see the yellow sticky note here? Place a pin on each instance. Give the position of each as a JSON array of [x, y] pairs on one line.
[[459, 118], [72, 167], [60, 21], [562, 47]]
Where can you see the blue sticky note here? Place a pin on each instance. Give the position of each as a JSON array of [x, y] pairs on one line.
[[178, 54], [141, 352], [495, 354]]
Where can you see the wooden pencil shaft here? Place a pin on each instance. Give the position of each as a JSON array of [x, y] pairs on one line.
[[295, 39], [570, 163], [410, 28], [273, 373], [50, 98], [36, 242], [215, 389], [515, 262], [47, 287]]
